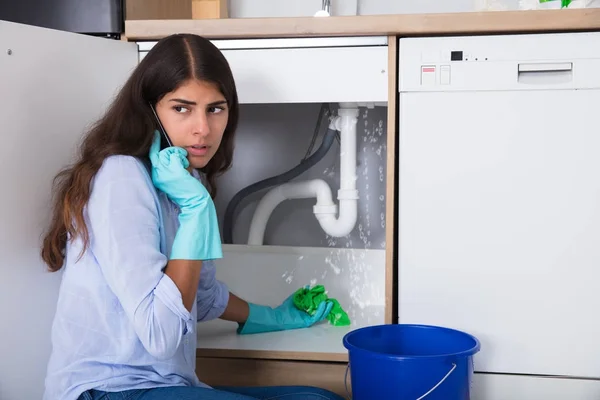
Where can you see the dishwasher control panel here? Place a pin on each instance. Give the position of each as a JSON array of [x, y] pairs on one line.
[[500, 62]]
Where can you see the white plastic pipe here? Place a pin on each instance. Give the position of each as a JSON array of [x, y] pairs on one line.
[[347, 195], [325, 210], [296, 190]]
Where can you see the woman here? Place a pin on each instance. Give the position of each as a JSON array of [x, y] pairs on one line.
[[136, 232]]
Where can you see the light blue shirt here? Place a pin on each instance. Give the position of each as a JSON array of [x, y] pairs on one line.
[[120, 322]]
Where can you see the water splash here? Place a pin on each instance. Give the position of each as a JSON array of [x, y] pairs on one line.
[[334, 267]]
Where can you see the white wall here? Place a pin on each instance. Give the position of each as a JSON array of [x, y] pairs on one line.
[[294, 8]]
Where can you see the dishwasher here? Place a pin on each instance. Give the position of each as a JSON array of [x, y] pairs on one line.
[[499, 198]]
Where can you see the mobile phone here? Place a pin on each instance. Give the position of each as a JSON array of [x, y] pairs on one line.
[[164, 138]]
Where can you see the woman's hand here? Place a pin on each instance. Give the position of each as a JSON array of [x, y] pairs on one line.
[[198, 236], [284, 317], [170, 175]]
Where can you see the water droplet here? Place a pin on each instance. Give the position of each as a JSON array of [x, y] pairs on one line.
[[335, 268], [382, 198]]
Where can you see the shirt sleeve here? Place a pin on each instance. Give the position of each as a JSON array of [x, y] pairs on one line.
[[212, 296], [123, 222]]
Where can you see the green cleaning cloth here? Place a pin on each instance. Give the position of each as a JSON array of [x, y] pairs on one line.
[[563, 3], [309, 299]]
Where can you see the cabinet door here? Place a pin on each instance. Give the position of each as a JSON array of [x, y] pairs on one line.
[[53, 85]]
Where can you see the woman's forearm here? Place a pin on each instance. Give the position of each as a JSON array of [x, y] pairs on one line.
[[185, 274], [237, 310]]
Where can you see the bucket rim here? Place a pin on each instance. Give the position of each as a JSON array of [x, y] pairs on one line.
[[465, 353]]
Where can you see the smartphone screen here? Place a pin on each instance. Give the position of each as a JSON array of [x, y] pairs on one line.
[[164, 138]]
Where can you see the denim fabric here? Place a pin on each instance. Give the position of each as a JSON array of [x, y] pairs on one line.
[[219, 393]]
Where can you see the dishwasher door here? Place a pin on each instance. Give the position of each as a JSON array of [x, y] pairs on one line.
[[499, 197]]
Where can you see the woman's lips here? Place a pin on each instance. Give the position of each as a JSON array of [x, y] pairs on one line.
[[197, 150]]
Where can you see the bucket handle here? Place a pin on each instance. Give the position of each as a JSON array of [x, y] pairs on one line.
[[439, 383], [420, 398]]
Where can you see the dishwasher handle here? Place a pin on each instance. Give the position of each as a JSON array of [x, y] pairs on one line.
[[553, 73], [546, 67]]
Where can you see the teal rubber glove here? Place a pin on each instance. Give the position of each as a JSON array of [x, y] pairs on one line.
[[286, 316], [198, 236]]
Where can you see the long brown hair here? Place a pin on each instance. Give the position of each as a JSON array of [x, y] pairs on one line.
[[127, 129]]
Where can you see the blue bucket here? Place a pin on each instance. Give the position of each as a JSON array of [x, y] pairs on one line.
[[410, 362]]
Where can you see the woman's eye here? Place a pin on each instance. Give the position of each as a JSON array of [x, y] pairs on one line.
[[180, 109], [215, 110]]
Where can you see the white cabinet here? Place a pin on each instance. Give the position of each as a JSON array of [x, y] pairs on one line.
[[312, 70]]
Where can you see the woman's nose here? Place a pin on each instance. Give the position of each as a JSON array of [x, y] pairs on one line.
[[202, 127]]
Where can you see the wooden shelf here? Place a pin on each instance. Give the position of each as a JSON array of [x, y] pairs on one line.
[[272, 355], [373, 25]]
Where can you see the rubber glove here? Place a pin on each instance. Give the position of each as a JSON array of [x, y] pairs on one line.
[[286, 316], [198, 236]]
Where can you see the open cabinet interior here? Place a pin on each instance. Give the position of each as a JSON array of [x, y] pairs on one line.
[[291, 91], [295, 250]]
